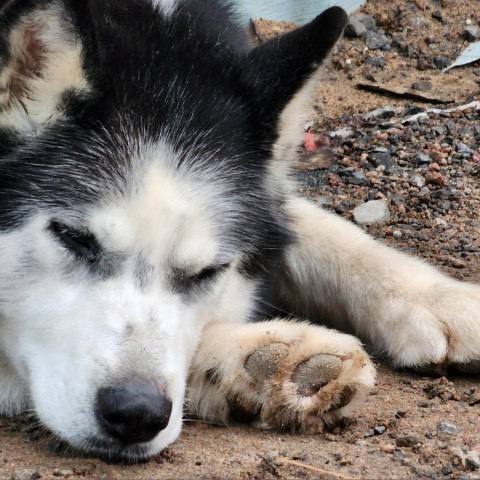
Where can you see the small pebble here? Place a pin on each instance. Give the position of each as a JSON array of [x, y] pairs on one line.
[[375, 211], [472, 33], [25, 474], [422, 86], [375, 41], [422, 158], [355, 28], [376, 62], [441, 62], [462, 148], [449, 428]]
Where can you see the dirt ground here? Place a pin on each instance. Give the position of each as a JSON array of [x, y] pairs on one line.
[[411, 426]]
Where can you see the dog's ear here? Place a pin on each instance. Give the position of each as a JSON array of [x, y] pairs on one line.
[[283, 70], [41, 65]]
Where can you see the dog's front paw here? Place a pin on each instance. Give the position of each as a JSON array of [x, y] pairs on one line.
[[285, 389], [287, 376], [439, 332]]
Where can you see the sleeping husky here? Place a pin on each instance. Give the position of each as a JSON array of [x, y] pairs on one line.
[[152, 238]]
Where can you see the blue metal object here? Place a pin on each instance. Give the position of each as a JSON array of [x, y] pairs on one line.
[[298, 11]]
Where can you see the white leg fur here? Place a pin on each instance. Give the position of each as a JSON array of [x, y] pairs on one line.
[[399, 305], [281, 374]]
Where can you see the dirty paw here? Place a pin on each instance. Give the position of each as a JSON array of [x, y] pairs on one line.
[[304, 378], [278, 375], [291, 392]]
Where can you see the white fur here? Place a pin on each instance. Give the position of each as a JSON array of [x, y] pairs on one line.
[[37, 96], [65, 336], [398, 304]]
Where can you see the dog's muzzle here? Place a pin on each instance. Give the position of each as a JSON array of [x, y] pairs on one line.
[[133, 411]]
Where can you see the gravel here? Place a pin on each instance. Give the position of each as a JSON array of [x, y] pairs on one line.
[[414, 182]]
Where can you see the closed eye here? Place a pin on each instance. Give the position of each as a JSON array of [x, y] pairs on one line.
[[209, 273], [83, 245], [189, 283]]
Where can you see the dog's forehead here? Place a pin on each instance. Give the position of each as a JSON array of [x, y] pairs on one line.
[[167, 217]]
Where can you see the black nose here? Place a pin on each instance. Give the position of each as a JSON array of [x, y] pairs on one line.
[[133, 411]]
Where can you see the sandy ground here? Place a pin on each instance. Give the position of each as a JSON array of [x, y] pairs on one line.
[[407, 408], [397, 433]]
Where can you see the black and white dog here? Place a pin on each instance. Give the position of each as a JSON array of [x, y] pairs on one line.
[[147, 214]]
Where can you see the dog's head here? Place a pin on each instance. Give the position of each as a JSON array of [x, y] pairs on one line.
[[141, 192]]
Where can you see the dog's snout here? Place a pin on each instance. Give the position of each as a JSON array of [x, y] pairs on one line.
[[133, 411]]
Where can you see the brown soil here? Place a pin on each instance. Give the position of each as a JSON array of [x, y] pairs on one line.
[[395, 433]]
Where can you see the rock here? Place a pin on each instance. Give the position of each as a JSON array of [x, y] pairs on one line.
[[383, 113], [447, 469], [358, 178], [383, 159], [355, 28], [375, 40], [456, 262], [422, 86], [449, 428], [417, 180], [25, 474], [436, 178], [376, 62], [472, 33], [438, 129], [462, 148], [437, 15], [408, 441], [441, 62], [379, 429], [359, 24], [342, 133], [375, 211], [422, 158], [367, 21]]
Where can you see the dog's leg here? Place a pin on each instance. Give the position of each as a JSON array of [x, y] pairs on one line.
[[278, 374], [399, 305]]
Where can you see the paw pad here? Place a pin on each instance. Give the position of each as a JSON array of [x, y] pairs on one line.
[[264, 362], [316, 372]]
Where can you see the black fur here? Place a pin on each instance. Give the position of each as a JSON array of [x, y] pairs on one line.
[[191, 80]]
